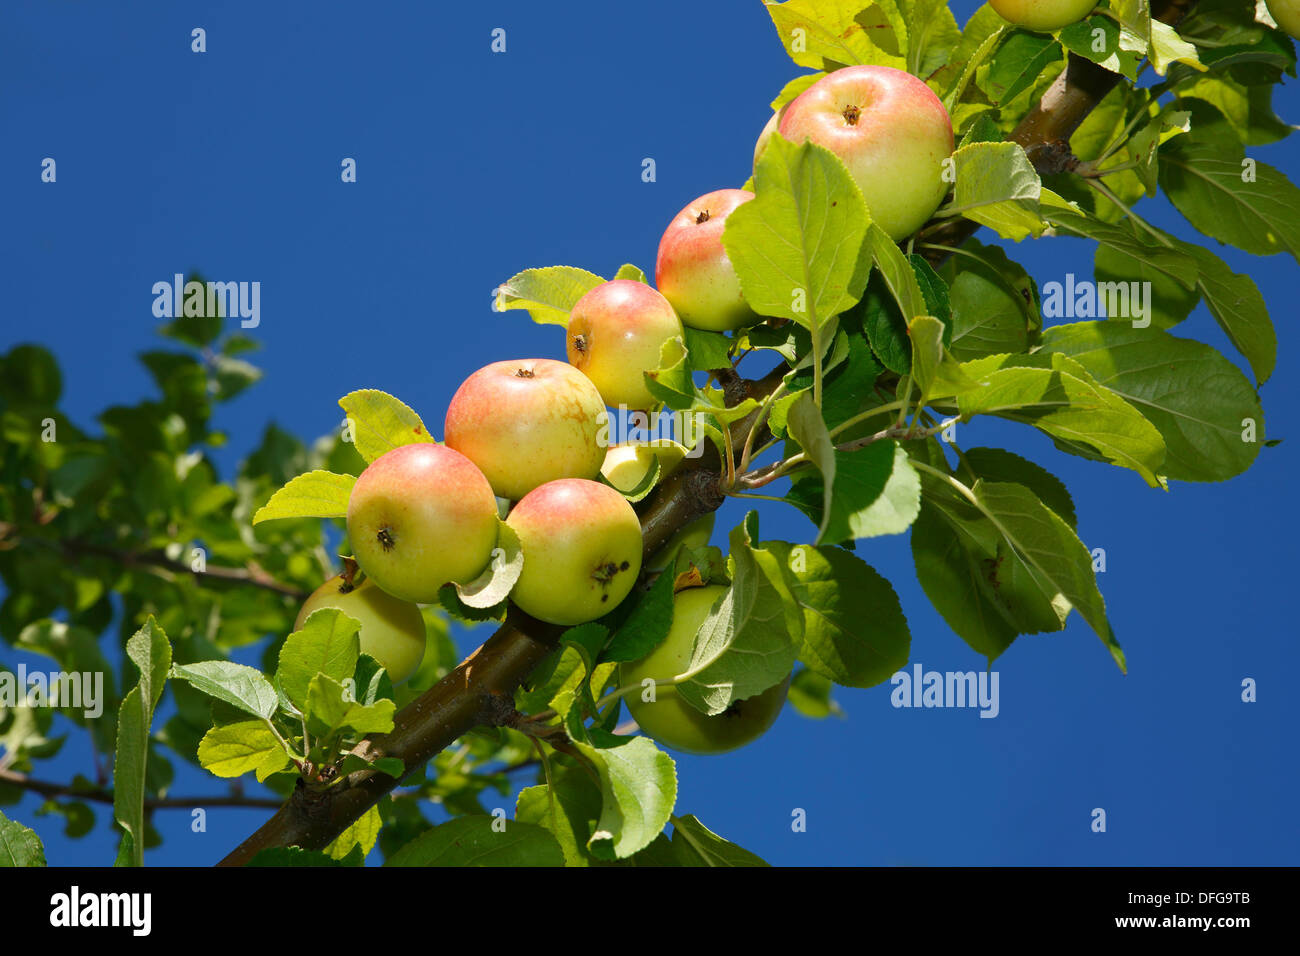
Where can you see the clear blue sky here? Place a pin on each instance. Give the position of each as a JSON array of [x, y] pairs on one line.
[[474, 165]]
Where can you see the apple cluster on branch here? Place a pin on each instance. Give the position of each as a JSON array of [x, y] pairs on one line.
[[532, 463]]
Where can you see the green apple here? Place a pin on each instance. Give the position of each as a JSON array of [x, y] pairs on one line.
[[582, 550], [694, 535], [1043, 15], [628, 464], [616, 332], [420, 516], [669, 719], [692, 269], [1286, 13], [527, 422], [392, 630], [892, 133]]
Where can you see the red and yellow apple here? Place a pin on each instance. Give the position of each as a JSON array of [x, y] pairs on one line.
[[527, 422], [1043, 15], [669, 719], [616, 332], [892, 133], [392, 630], [420, 516], [693, 271], [582, 550]]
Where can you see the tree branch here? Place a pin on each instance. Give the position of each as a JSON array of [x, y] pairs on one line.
[[1046, 129], [253, 575], [51, 790], [453, 706]]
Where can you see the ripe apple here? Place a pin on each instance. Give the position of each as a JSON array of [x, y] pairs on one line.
[[628, 464], [616, 332], [582, 550], [1286, 13], [672, 721], [527, 422], [693, 271], [392, 630], [1043, 15], [890, 130], [420, 516], [694, 535]]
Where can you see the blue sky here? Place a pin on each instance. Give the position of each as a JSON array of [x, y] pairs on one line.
[[474, 165]]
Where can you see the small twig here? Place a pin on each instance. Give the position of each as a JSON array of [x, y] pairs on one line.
[[51, 790]]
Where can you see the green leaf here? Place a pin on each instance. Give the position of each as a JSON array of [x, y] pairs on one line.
[[795, 246], [810, 694], [1168, 301], [481, 841], [567, 808], [236, 684], [877, 492], [331, 708], [548, 294], [708, 350], [638, 788], [998, 187], [1052, 549], [897, 273], [854, 630], [1192, 394], [1017, 65], [823, 34], [317, 494], [805, 424], [1144, 146], [362, 834], [495, 583], [1167, 47], [231, 750], [749, 641], [975, 580], [378, 423], [151, 652], [1175, 263], [998, 464], [1236, 304], [19, 845], [629, 271], [1208, 185], [994, 305], [646, 626], [697, 845], [326, 644], [1121, 50], [1064, 401]]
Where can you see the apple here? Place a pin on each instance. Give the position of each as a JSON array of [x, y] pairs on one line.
[[672, 721], [616, 332], [527, 422], [628, 464], [420, 516], [694, 535], [766, 133], [392, 630], [1043, 15], [693, 271], [582, 550], [892, 133], [1286, 13]]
